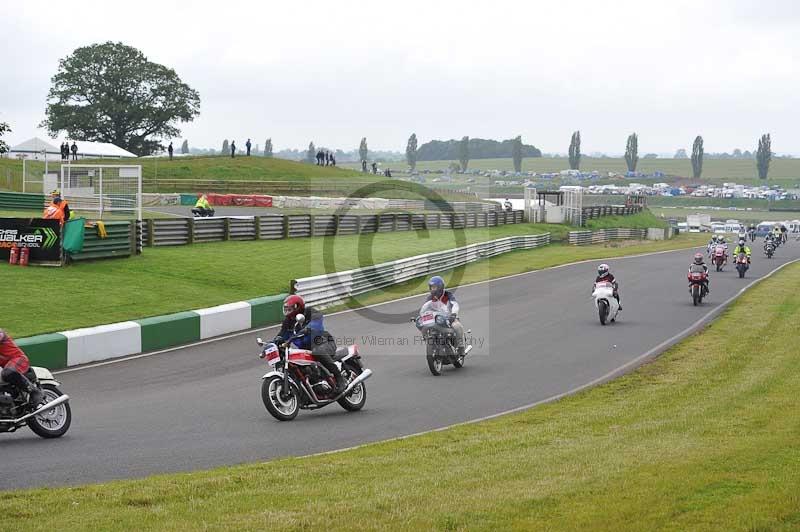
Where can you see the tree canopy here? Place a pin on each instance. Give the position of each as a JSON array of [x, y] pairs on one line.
[[110, 92], [438, 150]]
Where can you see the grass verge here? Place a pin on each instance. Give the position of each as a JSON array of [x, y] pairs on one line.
[[703, 438]]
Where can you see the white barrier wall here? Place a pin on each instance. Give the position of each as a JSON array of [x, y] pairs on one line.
[[224, 319], [103, 342]]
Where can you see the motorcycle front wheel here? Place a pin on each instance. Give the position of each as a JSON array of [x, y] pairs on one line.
[[602, 309], [434, 361], [282, 406], [55, 422]]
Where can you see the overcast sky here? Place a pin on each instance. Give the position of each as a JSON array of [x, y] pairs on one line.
[[333, 72]]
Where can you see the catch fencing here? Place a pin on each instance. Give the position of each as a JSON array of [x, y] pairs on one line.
[[336, 287], [182, 231], [598, 211]]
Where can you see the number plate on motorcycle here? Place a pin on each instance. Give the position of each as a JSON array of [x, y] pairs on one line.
[[271, 354], [427, 318]]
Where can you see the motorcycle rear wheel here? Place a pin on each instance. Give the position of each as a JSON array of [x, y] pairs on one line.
[[357, 398], [280, 408], [55, 422]]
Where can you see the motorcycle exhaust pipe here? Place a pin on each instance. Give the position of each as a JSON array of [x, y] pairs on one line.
[[366, 374], [43, 408]]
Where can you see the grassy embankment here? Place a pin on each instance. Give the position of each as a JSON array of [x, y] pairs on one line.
[[704, 438], [192, 174], [172, 279]]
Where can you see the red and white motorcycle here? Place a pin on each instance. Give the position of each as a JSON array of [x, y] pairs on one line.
[[297, 380], [719, 257]]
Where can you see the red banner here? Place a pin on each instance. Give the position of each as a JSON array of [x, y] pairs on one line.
[[239, 200]]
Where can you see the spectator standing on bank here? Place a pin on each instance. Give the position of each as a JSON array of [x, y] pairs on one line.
[[64, 151], [327, 158], [233, 149], [375, 168], [169, 149], [74, 150], [364, 166], [333, 160], [247, 145]]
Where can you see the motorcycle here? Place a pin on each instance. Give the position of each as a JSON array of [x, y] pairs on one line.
[[298, 381], [202, 213], [434, 322], [605, 302], [720, 257], [697, 279], [769, 249], [742, 264], [50, 419]]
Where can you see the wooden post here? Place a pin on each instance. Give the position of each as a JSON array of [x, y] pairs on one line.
[[311, 229], [336, 221], [257, 227]]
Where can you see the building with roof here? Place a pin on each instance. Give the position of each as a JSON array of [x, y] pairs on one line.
[[38, 148]]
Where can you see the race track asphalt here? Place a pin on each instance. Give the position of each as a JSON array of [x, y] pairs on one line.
[[537, 336]]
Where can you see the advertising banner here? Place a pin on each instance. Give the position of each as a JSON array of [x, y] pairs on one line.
[[41, 237]]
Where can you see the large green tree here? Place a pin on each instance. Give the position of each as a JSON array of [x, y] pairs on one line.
[[763, 155], [411, 151], [4, 128], [463, 153], [110, 92], [516, 153], [363, 151], [575, 151], [268, 148], [697, 157], [632, 152]]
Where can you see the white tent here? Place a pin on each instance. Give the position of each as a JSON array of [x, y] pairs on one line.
[[36, 148]]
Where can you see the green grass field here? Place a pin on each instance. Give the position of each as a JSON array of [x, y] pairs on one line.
[[703, 438], [172, 279], [723, 214]]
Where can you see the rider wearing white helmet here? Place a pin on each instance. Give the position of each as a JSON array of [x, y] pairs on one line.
[[604, 275]]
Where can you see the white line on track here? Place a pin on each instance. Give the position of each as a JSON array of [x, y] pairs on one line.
[[251, 331]]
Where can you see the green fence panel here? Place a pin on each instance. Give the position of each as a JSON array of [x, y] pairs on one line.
[[45, 350], [118, 243], [188, 199], [161, 332], [21, 202], [266, 310]]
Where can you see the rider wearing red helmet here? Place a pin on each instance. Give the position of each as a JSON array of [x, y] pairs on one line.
[[15, 365], [604, 275], [698, 265], [315, 338]]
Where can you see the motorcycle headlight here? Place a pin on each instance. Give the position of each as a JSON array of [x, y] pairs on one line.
[[441, 320]]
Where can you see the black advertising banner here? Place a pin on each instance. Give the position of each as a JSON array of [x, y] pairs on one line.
[[42, 237]]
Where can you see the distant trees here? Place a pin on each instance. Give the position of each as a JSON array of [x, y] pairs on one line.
[[363, 151], [4, 128], [632, 152], [225, 147], [681, 154], [575, 151], [448, 150], [763, 155], [516, 153], [185, 147], [697, 157], [411, 152], [268, 148], [463, 153], [311, 154], [650, 156]]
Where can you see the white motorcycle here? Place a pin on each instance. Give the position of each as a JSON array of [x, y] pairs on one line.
[[604, 301], [49, 420]]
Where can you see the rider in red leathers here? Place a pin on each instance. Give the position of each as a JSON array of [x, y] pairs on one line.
[[15, 365]]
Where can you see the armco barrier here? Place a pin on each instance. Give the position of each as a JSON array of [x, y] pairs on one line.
[[21, 202], [336, 287], [583, 238], [181, 231]]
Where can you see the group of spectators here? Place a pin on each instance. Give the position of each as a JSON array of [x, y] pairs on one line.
[[66, 149], [325, 158]]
